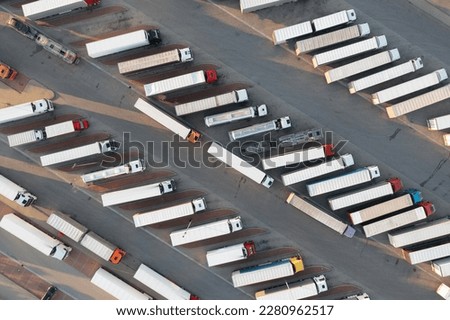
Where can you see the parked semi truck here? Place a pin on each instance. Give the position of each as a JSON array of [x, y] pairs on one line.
[[236, 96], [236, 115], [232, 253], [441, 267], [240, 165], [423, 210], [47, 8], [334, 20], [78, 152], [6, 72], [161, 284], [439, 123], [268, 271], [350, 179], [167, 121], [427, 254], [57, 49], [295, 290], [298, 156], [206, 231], [359, 196], [260, 128], [444, 291], [385, 75], [410, 198], [130, 167], [419, 102], [320, 215], [348, 51], [331, 38], [420, 233], [123, 42], [116, 287], [253, 5], [25, 110], [169, 213], [102, 248], [16, 193], [34, 237], [300, 137], [324, 168], [409, 87], [137, 193], [179, 82], [359, 66], [67, 226], [156, 60], [47, 132], [282, 35]]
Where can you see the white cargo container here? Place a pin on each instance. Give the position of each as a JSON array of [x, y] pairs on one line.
[[446, 138], [385, 75], [427, 254], [444, 291], [236, 115], [235, 96], [123, 42], [409, 87], [359, 66], [205, 231], [16, 193], [25, 110], [282, 35], [130, 167], [116, 287], [419, 102], [267, 271], [156, 60], [161, 285], [344, 181], [137, 193], [334, 20], [320, 215], [441, 267], [102, 248], [179, 82], [259, 128], [167, 121], [78, 152], [295, 291], [399, 220], [308, 173], [34, 237], [21, 138], [420, 233], [228, 254], [407, 200], [352, 198], [439, 123], [349, 51], [298, 156], [47, 8], [67, 226], [253, 5], [240, 165], [331, 38], [170, 213]]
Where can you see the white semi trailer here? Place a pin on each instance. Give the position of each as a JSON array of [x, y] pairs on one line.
[[439, 123], [137, 193], [232, 253], [16, 193], [205, 231], [348, 51], [282, 35], [47, 8], [236, 115], [385, 75], [235, 96], [308, 173], [427, 254], [260, 128], [320, 215], [67, 226], [39, 240], [334, 20], [167, 121], [169, 213], [156, 60], [130, 167], [25, 110], [240, 165], [441, 267], [102, 248], [295, 290], [253, 5]]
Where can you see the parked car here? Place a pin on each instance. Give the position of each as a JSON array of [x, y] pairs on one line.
[[51, 291]]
